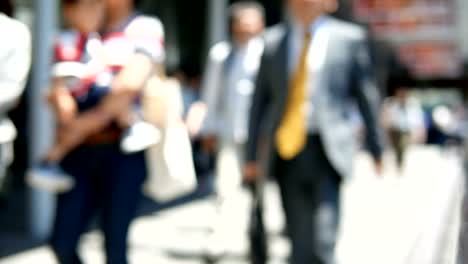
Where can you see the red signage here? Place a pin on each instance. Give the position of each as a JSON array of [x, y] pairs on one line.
[[424, 32]]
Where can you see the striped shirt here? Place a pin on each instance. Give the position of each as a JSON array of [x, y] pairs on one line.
[[90, 62]]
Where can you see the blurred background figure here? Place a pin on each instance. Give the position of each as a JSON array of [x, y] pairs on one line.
[[15, 56], [108, 179], [227, 92], [306, 91], [448, 127], [403, 120], [194, 114]]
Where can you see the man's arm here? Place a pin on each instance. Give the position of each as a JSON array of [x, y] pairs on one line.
[[210, 89], [367, 95], [261, 100], [210, 94]]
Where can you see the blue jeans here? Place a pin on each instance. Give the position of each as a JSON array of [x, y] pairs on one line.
[[107, 182]]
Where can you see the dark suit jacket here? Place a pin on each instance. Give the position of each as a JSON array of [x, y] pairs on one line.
[[346, 83]]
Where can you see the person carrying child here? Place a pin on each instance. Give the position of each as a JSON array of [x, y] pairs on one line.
[[94, 116], [85, 70]]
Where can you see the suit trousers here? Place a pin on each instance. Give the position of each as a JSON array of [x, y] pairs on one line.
[[310, 193], [108, 183]]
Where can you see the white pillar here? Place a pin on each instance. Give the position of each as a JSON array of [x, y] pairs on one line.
[[217, 21], [40, 125]]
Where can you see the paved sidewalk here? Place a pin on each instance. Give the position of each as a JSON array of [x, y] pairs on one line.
[[407, 219], [388, 219]]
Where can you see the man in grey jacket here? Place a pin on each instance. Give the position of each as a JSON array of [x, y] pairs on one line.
[[315, 71], [228, 86]]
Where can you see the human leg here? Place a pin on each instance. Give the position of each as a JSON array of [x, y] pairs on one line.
[[74, 208], [298, 203], [327, 212], [124, 175], [48, 174], [310, 202], [227, 202]]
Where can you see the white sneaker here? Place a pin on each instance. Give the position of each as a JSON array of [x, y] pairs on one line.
[[139, 136], [49, 177]]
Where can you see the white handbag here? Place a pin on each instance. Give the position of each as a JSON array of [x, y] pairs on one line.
[[171, 171]]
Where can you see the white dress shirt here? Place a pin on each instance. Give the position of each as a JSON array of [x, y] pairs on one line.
[[316, 59]]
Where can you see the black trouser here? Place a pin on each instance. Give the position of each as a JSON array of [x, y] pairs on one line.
[[310, 194], [108, 182], [257, 231]]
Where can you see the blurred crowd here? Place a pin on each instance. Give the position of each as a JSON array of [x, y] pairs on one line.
[[292, 103]]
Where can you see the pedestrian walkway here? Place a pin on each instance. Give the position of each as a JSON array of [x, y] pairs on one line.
[[407, 219]]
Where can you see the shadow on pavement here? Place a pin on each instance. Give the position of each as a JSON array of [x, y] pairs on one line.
[[14, 237]]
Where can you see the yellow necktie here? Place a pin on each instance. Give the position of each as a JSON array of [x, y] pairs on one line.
[[291, 136]]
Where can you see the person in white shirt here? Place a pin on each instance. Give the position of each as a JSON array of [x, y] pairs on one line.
[[227, 91], [15, 55], [403, 119]]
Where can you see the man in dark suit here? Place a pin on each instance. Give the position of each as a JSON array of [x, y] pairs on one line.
[[315, 74]]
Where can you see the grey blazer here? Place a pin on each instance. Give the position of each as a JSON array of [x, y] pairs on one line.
[[346, 83], [221, 120]]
